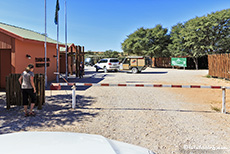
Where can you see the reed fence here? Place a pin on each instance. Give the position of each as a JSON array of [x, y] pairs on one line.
[[219, 65]]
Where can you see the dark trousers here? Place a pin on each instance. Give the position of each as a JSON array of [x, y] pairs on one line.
[[26, 93], [81, 73]]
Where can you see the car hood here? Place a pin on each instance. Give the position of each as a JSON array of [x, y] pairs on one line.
[[63, 142]]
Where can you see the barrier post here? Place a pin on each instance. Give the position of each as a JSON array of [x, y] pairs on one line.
[[223, 100], [73, 96]]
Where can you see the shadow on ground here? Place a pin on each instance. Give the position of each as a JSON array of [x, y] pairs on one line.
[[149, 72], [148, 109], [89, 77], [154, 72], [56, 112]]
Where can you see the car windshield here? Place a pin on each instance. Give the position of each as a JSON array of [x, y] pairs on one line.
[[114, 60], [103, 61]]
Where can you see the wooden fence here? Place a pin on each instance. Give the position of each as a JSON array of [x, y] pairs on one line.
[[165, 62], [14, 94], [79, 58], [219, 65], [75, 57]]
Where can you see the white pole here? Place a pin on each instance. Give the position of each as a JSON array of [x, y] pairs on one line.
[[57, 77], [73, 96], [45, 50], [223, 100], [66, 58]]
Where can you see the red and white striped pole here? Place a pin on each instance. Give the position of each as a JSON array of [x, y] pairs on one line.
[[141, 85]]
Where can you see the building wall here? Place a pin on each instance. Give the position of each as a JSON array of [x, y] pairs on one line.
[[6, 46], [35, 50], [62, 63], [5, 41]]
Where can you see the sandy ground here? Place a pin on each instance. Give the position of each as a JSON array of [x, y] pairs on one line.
[[163, 120]]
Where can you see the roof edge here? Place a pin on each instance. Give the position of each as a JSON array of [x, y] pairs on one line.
[[21, 38], [37, 41], [11, 34]]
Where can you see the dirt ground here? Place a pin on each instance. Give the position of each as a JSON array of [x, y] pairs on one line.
[[164, 120], [212, 97]]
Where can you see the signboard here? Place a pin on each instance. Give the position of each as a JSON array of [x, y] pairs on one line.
[[41, 59], [182, 62], [40, 62]]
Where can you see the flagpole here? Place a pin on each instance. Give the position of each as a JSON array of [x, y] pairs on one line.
[[45, 50], [66, 50], [57, 77], [57, 23]]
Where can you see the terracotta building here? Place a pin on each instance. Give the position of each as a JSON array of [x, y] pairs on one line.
[[20, 47]]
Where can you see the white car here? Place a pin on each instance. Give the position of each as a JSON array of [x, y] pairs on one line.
[[108, 64], [64, 143]]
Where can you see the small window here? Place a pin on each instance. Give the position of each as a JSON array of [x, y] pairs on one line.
[[103, 61], [114, 60], [127, 61]]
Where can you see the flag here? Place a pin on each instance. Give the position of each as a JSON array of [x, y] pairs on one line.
[[56, 12]]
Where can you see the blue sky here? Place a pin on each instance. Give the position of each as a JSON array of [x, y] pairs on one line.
[[104, 24]]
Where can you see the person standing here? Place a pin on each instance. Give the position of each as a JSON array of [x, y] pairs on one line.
[[81, 69], [26, 81]]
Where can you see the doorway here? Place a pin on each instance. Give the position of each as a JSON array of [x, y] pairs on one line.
[[5, 66]]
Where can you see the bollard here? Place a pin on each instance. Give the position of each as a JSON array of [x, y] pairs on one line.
[[223, 100], [73, 96]]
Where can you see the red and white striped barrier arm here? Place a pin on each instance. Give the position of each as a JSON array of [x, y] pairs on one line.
[[142, 85]]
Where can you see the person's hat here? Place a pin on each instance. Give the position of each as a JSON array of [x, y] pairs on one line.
[[31, 66]]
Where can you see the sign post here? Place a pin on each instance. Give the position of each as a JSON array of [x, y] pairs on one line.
[[223, 110], [181, 62]]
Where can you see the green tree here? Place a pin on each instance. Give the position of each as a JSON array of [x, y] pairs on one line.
[[157, 42], [111, 54], [151, 42], [216, 28], [88, 54], [201, 36], [176, 47], [193, 39], [134, 43]]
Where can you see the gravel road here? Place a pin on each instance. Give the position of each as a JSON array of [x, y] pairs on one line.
[[156, 118]]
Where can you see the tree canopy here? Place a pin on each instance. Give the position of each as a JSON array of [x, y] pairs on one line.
[[152, 42], [111, 54], [194, 38]]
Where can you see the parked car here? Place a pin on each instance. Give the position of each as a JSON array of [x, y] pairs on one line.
[[63, 142], [89, 62], [135, 63], [108, 64]]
